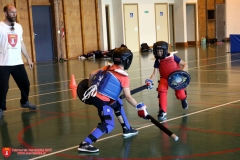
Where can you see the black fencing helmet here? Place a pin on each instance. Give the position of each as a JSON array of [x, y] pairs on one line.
[[122, 56], [160, 49]]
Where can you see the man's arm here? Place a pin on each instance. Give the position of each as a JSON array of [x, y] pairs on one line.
[[26, 55]]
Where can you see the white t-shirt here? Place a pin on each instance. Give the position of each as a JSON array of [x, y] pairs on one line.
[[10, 44]]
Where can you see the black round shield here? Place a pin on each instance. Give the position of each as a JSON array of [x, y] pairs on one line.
[[178, 80], [81, 88]]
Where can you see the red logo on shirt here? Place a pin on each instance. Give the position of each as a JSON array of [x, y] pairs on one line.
[[12, 39], [6, 151]]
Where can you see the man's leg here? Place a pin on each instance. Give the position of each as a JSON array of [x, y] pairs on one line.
[[19, 74], [4, 74], [21, 78]]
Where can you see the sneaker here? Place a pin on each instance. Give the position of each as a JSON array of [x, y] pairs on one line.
[[162, 115], [86, 147], [184, 104], [1, 113], [129, 132], [29, 105]]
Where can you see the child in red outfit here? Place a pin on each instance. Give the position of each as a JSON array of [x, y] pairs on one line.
[[165, 64]]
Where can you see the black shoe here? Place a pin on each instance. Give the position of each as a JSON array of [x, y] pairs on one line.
[[29, 105], [129, 132], [86, 147], [1, 113], [184, 104], [162, 115]]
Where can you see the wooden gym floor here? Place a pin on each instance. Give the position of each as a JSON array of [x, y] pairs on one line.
[[209, 129]]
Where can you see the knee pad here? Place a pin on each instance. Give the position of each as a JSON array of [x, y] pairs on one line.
[[108, 118], [118, 106], [96, 133]]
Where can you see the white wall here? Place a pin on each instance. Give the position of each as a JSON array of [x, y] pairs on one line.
[[147, 20], [102, 23], [147, 32], [147, 29], [118, 25], [180, 21], [232, 17]]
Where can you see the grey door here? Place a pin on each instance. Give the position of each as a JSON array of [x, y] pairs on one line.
[[220, 22], [190, 18], [43, 38]]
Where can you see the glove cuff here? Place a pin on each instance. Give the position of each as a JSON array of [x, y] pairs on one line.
[[148, 80], [139, 105]]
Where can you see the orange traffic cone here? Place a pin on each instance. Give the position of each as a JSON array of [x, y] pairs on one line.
[[73, 82], [74, 93]]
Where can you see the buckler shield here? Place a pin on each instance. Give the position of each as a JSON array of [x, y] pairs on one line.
[[178, 80], [81, 88]]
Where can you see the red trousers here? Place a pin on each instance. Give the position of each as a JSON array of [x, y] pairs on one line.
[[162, 91]]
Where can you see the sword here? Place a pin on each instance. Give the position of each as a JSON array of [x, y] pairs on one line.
[[135, 90], [153, 120], [162, 127]]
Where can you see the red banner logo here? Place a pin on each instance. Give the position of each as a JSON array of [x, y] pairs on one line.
[[6, 151], [12, 39]]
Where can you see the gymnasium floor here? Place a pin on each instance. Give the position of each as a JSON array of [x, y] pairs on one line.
[[209, 129]]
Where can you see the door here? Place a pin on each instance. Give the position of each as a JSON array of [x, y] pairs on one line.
[[190, 20], [171, 23], [161, 15], [131, 27], [108, 27], [43, 38], [220, 22]]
